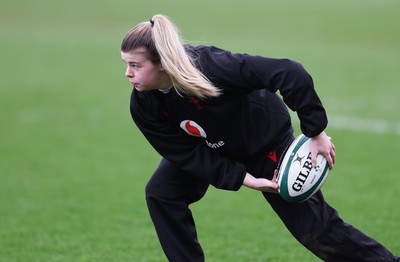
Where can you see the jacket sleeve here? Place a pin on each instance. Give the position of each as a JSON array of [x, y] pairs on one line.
[[187, 153], [242, 71]]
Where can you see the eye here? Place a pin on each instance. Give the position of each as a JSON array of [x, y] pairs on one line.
[[134, 65]]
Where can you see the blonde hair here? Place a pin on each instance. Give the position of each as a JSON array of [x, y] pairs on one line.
[[164, 45]]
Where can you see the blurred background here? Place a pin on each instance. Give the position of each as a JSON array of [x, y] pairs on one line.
[[73, 166]]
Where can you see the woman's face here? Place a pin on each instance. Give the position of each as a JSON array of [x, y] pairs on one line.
[[142, 73]]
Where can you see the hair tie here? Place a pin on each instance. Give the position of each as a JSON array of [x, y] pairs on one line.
[[151, 22]]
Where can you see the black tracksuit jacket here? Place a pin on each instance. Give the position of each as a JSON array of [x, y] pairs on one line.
[[213, 138]]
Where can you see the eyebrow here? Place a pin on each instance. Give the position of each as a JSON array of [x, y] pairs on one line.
[[130, 62]]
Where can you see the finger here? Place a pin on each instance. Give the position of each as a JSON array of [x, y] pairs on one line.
[[314, 158], [330, 162], [271, 184], [330, 159], [333, 155], [333, 147]]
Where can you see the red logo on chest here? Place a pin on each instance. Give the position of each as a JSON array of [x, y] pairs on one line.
[[192, 128]]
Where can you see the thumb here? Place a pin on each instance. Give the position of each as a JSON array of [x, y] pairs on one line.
[[275, 175]]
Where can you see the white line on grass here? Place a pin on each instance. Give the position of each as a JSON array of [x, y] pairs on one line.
[[355, 124], [375, 126]]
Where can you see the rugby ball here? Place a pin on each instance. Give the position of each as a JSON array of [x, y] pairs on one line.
[[297, 179]]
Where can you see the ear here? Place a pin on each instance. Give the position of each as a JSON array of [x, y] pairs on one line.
[[161, 67]]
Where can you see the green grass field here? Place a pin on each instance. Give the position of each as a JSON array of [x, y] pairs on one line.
[[73, 166]]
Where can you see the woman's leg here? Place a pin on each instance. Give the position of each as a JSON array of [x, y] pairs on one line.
[[169, 193], [319, 228], [316, 225]]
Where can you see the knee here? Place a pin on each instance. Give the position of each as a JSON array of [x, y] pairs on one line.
[[154, 200], [317, 245], [163, 181], [152, 189], [158, 188]]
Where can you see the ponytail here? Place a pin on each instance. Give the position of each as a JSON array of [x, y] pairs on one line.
[[162, 40]]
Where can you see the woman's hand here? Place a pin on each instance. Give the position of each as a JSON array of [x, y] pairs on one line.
[[261, 184], [322, 144]]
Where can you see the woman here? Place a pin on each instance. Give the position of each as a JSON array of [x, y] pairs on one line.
[[215, 119]]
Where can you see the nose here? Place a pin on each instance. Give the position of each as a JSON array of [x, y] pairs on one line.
[[129, 72]]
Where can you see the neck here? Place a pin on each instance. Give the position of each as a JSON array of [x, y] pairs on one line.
[[166, 82]]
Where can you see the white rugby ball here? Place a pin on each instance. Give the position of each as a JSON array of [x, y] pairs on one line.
[[297, 179]]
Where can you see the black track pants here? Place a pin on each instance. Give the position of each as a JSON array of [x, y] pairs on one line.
[[169, 194], [318, 227], [314, 223]]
